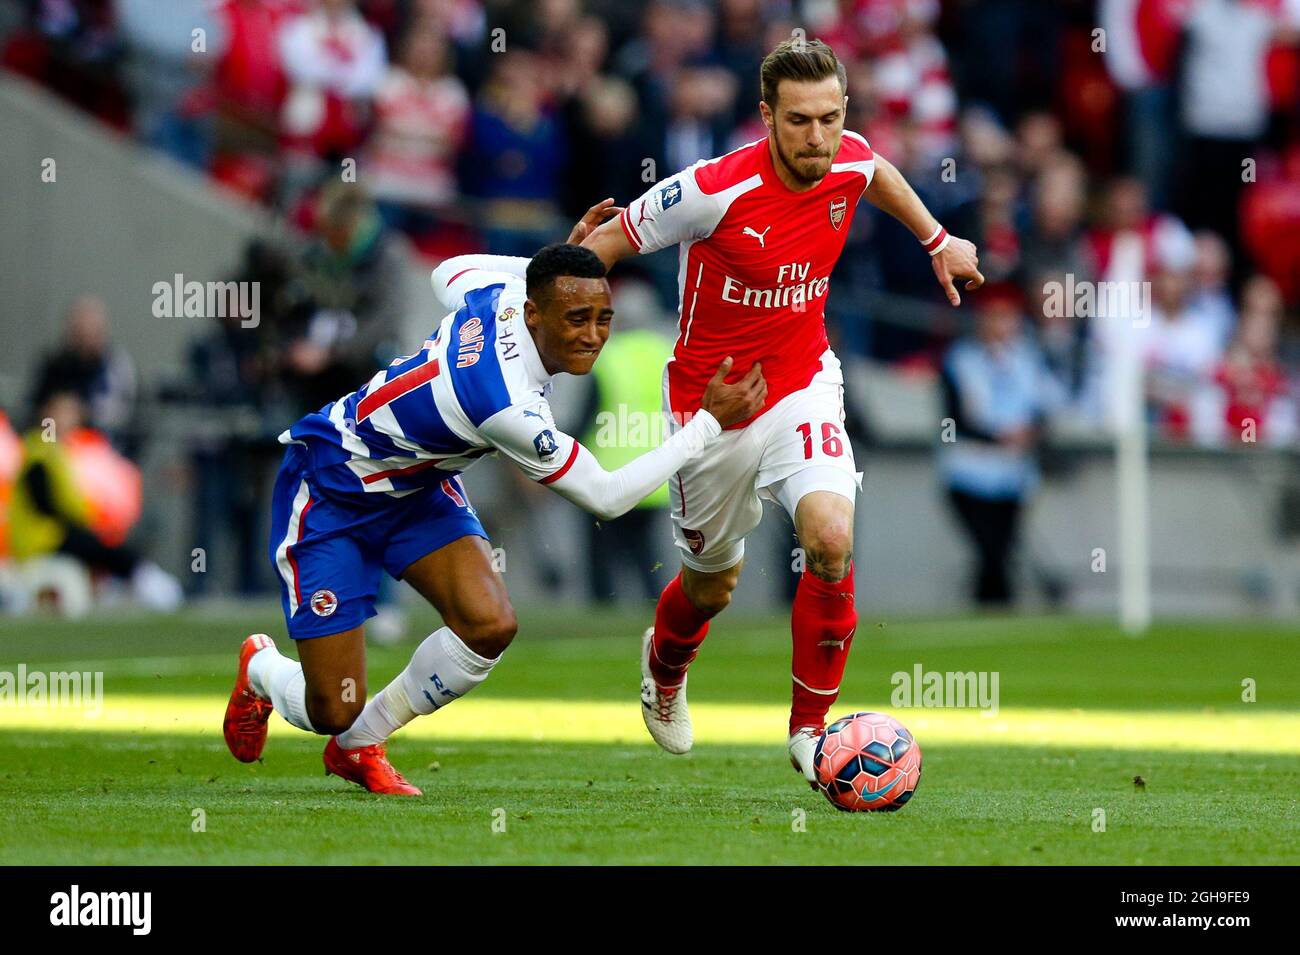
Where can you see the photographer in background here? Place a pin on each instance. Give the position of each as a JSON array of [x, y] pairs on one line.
[[348, 299], [102, 375]]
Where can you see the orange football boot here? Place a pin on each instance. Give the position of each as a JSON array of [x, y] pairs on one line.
[[247, 713], [368, 767]]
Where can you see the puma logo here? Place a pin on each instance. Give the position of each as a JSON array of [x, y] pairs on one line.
[[838, 643], [760, 236]]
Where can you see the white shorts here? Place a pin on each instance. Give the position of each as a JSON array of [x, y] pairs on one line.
[[797, 446]]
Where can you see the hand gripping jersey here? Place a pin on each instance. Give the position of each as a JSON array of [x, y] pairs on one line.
[[477, 386], [754, 264]]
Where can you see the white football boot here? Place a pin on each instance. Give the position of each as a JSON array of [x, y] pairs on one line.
[[802, 747], [665, 713]]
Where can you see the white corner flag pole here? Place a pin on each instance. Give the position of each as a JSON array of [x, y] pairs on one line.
[[1131, 474]]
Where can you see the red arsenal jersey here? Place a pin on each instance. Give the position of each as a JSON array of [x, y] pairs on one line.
[[755, 264]]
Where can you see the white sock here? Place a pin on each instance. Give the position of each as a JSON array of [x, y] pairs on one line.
[[276, 678], [442, 669]]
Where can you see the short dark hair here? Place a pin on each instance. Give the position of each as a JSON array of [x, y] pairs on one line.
[[799, 59], [553, 261]]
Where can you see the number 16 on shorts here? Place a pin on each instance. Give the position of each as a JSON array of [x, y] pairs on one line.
[[831, 444]]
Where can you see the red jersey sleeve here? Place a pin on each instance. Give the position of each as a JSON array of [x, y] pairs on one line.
[[672, 211]]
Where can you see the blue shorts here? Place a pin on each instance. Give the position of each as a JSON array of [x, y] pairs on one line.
[[328, 551]]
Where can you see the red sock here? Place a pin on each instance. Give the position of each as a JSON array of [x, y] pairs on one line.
[[823, 621], [680, 628]]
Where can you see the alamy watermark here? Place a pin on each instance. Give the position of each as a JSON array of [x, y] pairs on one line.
[[626, 427], [37, 689], [941, 689], [1072, 299], [192, 299], [132, 910]]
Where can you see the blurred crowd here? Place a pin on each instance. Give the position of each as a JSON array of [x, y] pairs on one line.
[[1153, 140], [1077, 142]]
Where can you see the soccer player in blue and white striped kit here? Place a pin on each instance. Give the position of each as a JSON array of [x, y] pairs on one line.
[[370, 484]]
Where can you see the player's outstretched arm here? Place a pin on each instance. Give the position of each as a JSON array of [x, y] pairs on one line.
[[670, 212], [574, 472], [610, 494], [609, 242], [952, 258], [603, 211]]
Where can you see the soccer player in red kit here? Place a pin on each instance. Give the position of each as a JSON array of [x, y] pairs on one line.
[[759, 231]]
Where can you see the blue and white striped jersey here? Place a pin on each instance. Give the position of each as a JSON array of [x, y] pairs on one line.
[[477, 386]]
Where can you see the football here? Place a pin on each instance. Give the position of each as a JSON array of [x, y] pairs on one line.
[[867, 762]]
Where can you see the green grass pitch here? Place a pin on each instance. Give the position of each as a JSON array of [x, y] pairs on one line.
[[552, 751]]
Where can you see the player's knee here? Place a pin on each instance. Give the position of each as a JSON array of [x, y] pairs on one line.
[[828, 549], [710, 593], [488, 634], [333, 713], [712, 600]]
